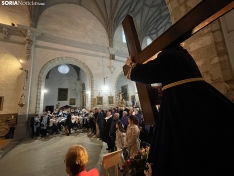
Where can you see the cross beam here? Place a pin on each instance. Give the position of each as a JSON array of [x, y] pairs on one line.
[[200, 16]]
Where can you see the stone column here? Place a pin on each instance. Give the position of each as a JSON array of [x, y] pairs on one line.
[[83, 95], [22, 123], [207, 47]]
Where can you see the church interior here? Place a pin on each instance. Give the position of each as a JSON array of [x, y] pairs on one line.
[[71, 53]]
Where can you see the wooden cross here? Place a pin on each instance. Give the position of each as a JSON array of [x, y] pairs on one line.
[[200, 16]]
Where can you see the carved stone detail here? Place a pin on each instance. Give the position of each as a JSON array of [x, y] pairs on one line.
[[111, 68], [28, 44], [7, 121]]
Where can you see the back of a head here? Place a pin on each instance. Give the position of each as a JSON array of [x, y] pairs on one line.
[[76, 159], [134, 119]]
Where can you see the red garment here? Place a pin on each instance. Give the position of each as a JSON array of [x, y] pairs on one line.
[[93, 172]]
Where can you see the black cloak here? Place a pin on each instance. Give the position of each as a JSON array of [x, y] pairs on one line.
[[194, 133]]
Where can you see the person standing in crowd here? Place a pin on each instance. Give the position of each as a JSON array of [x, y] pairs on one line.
[[113, 130], [96, 124], [132, 135], [106, 132], [103, 113], [94, 121], [76, 162], [35, 125], [60, 114], [126, 109], [131, 110], [139, 116], [91, 122], [68, 123], [124, 120], [44, 124], [120, 113], [113, 111], [120, 140], [100, 120]]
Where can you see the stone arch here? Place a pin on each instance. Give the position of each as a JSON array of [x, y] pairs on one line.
[[53, 63]]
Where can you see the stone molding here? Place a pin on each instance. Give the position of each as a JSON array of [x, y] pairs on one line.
[[38, 35], [51, 64]]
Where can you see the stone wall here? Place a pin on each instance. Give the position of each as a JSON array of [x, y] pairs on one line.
[[227, 23], [14, 14], [73, 22], [118, 40], [11, 76], [207, 47]]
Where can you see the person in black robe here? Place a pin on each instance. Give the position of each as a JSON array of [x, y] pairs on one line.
[[194, 133], [106, 131], [68, 123], [100, 122]]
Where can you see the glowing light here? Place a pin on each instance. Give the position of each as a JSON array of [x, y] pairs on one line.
[[45, 91], [64, 69], [88, 92], [105, 88], [20, 61]]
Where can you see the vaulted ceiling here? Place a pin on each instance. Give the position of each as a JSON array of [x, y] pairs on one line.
[[151, 17]]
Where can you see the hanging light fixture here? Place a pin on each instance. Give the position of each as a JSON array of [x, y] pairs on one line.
[[22, 101], [22, 97]]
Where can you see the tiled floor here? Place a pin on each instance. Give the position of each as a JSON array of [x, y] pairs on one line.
[[45, 157]]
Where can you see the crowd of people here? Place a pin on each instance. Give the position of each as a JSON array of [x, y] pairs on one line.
[[63, 120], [119, 127], [99, 121]]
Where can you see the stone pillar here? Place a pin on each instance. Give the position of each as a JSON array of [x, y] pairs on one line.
[[207, 47], [23, 126], [83, 95]]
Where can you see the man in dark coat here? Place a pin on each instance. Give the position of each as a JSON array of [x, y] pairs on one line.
[[100, 120], [95, 113], [68, 122], [113, 130], [195, 129], [106, 131]]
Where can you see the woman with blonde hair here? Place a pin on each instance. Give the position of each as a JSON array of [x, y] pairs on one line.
[[76, 162]]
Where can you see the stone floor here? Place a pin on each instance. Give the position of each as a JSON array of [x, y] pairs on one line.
[[45, 157]]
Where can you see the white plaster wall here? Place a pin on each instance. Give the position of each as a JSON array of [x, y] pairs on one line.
[[97, 65], [11, 76], [131, 87], [14, 14], [227, 23], [73, 22], [144, 42], [57, 80], [118, 40]]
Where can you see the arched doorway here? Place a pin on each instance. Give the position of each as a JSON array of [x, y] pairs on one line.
[[53, 63]]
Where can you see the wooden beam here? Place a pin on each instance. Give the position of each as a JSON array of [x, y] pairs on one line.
[[144, 91]]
